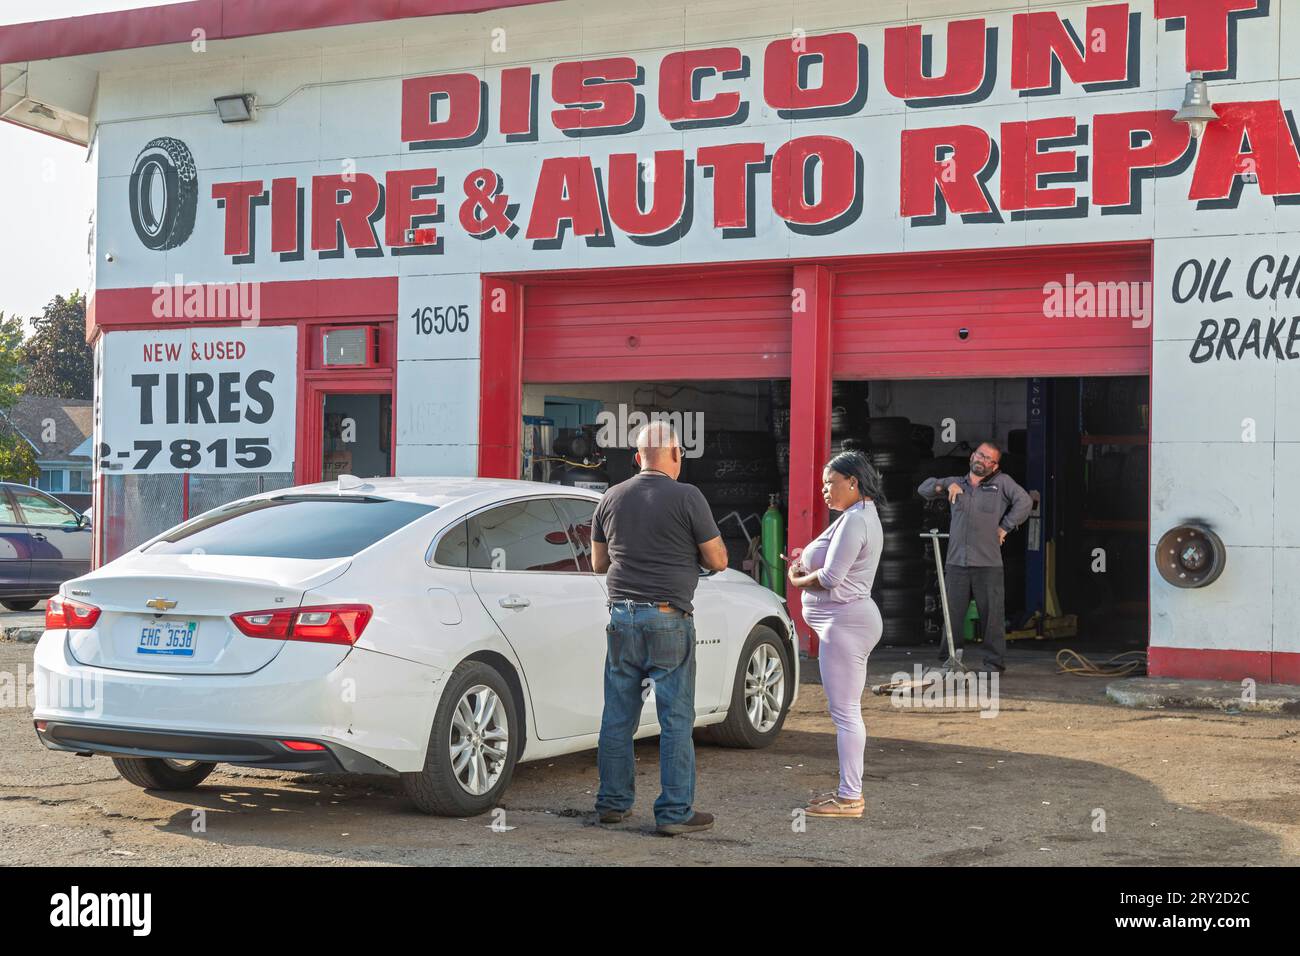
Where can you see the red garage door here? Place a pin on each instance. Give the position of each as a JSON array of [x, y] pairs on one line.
[[1012, 312], [697, 324]]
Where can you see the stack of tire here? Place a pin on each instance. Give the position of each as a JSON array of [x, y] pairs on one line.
[[936, 514], [848, 412], [737, 472], [899, 589], [781, 437]]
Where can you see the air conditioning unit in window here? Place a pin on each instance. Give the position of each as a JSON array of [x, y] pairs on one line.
[[355, 346]]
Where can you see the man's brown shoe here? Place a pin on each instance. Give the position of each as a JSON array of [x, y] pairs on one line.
[[699, 821], [608, 817]]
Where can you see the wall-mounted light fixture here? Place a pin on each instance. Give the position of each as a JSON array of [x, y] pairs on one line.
[[239, 108], [1197, 111]]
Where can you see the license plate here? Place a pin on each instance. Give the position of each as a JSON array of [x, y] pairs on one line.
[[172, 638]]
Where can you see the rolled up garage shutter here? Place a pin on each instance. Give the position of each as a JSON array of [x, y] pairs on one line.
[[728, 323], [1027, 312]]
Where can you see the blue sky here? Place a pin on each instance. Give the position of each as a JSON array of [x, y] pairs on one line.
[[47, 192]]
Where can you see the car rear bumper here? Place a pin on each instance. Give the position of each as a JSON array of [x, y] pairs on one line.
[[375, 705], [248, 751]]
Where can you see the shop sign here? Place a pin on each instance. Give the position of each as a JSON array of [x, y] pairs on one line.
[[211, 401]]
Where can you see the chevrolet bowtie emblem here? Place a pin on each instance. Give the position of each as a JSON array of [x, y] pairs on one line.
[[160, 604]]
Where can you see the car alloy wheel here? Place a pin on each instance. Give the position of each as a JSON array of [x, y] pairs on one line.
[[764, 687], [181, 765], [479, 740]]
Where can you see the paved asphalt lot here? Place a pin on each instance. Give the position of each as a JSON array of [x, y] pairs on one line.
[[1027, 787]]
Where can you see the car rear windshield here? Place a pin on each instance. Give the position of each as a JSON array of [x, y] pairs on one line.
[[292, 527]]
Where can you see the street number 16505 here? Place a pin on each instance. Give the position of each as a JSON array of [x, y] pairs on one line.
[[441, 319]]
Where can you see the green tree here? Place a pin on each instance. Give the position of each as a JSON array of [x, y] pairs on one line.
[[17, 461], [59, 362]]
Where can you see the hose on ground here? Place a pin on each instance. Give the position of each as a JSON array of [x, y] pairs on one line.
[[1121, 665]]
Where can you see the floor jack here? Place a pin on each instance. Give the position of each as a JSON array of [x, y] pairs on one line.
[[954, 662]]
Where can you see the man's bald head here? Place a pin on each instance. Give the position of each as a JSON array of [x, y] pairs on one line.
[[658, 447]]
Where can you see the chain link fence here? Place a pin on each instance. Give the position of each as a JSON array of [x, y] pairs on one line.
[[138, 507]]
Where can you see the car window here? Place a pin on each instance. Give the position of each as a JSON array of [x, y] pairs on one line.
[[520, 536], [292, 526], [453, 547], [37, 509], [576, 514], [7, 513]]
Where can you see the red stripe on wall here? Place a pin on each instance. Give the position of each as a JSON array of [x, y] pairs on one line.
[[278, 302], [1267, 667]]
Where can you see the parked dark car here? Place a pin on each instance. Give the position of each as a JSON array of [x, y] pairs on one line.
[[43, 543]]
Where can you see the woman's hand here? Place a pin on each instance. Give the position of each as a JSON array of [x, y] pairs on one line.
[[801, 578]]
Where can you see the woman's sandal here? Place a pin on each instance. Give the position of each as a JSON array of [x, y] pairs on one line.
[[833, 805]]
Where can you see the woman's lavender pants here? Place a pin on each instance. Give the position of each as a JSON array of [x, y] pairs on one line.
[[846, 635]]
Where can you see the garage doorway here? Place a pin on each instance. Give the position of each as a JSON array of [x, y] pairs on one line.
[[356, 435], [1077, 568], [733, 433]]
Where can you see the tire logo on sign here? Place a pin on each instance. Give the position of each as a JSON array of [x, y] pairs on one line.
[[164, 193]]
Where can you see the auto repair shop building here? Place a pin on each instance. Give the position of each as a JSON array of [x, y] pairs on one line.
[[410, 238]]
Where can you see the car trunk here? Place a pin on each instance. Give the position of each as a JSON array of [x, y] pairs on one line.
[[193, 635]]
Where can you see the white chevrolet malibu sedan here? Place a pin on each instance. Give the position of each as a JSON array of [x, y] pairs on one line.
[[437, 629]]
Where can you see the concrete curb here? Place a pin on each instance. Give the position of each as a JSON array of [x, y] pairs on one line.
[[1226, 696]]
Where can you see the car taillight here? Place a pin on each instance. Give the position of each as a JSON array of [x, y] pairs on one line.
[[272, 624], [324, 624], [63, 612], [302, 745]]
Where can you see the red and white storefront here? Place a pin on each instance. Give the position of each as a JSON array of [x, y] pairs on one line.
[[490, 196]]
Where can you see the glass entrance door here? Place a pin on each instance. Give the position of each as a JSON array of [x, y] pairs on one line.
[[356, 435]]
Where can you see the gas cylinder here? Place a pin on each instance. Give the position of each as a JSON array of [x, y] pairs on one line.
[[773, 537]]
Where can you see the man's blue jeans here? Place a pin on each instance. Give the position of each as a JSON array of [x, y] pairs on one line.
[[647, 645]]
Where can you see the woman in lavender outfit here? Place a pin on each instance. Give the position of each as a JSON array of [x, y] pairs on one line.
[[835, 573]]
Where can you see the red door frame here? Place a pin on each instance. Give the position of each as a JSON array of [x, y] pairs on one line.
[[312, 389], [314, 383], [812, 353]]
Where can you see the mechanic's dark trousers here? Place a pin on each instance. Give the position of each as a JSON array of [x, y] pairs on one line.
[[988, 588]]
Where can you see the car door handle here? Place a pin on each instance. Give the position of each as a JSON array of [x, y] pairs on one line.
[[38, 536], [514, 600]]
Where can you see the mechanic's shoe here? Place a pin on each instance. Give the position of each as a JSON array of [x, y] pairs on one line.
[[699, 821], [836, 806], [610, 817]]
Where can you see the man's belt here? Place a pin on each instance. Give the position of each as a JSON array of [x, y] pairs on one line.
[[663, 606]]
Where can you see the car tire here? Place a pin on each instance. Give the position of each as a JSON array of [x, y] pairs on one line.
[[19, 605], [905, 514], [898, 458], [438, 788], [739, 730], [155, 773], [903, 632], [170, 159], [901, 573], [891, 430]]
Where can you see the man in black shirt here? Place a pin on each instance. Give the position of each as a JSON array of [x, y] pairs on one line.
[[651, 534]]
